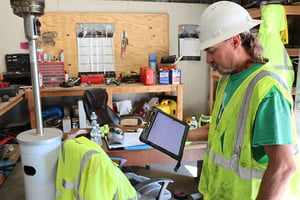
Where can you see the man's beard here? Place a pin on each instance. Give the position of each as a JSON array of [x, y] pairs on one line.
[[224, 71]]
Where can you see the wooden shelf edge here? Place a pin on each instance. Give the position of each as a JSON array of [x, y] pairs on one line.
[[294, 91], [5, 106], [254, 12], [293, 51], [289, 9]]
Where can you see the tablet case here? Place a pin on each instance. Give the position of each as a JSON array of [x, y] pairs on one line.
[[166, 134]]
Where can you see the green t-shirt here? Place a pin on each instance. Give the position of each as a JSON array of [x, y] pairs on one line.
[[273, 124]]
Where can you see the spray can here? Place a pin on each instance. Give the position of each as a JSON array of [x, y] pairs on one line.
[[61, 56], [40, 80], [66, 76], [152, 64]]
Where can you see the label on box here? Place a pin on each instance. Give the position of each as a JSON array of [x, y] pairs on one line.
[[175, 76], [163, 76]]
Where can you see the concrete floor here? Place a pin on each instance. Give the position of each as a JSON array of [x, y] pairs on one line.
[[184, 179]]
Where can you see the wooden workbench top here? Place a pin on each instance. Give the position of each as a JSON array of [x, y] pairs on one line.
[[5, 106]]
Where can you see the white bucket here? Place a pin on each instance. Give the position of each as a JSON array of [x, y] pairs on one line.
[[39, 155]]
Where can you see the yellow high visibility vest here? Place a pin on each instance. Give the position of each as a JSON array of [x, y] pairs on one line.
[[273, 34], [229, 170], [85, 172]]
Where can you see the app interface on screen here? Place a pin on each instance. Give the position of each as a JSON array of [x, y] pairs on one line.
[[167, 133]]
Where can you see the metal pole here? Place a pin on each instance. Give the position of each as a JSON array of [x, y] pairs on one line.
[[30, 27]]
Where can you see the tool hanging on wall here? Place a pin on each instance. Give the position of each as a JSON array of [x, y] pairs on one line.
[[124, 43], [48, 38]]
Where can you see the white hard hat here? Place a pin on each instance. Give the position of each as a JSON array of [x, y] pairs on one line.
[[223, 20]]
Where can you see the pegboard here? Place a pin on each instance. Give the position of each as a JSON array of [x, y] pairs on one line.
[[147, 34]]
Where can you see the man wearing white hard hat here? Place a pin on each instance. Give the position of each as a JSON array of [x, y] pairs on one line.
[[252, 151]]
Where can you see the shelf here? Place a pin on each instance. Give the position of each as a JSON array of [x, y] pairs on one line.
[[14, 155], [290, 10], [294, 91], [293, 52], [111, 90], [5, 106]]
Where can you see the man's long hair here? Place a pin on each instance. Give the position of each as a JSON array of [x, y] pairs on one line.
[[253, 47]]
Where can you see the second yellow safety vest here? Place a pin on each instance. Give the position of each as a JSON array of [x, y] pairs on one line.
[[273, 34], [85, 172]]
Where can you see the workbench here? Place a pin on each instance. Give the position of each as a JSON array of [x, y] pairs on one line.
[[192, 152], [111, 90], [4, 107]]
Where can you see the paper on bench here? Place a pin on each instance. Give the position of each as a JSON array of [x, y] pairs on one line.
[[130, 139]]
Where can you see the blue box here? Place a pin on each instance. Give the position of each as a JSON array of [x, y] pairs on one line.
[[164, 77]]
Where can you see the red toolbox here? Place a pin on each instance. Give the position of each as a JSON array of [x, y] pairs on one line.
[[92, 78]]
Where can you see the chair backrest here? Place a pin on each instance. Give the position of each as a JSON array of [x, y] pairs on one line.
[[95, 100]]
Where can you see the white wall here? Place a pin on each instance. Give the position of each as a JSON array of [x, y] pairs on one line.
[[195, 74]]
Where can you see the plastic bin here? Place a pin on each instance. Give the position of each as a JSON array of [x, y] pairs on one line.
[[53, 73]]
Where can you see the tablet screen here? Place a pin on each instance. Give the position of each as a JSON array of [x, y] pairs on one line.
[[165, 133]]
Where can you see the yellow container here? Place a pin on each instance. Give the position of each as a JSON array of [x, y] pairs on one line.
[[168, 106]]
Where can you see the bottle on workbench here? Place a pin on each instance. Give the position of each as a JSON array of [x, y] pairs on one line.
[[61, 56], [95, 133], [193, 123]]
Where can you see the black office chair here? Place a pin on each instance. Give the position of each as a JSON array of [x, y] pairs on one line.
[[95, 100], [154, 188]]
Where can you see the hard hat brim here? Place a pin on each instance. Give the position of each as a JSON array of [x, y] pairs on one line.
[[224, 36]]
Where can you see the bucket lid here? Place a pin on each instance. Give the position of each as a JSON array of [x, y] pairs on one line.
[[30, 137]]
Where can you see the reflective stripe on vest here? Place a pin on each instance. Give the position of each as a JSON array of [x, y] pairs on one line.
[[232, 164], [75, 185], [285, 65]]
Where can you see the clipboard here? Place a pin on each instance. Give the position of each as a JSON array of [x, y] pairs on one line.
[[166, 134]]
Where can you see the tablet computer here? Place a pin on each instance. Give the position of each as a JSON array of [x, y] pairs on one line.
[[166, 134]]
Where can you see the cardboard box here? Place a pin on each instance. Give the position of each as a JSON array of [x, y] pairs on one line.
[[175, 76], [164, 77]]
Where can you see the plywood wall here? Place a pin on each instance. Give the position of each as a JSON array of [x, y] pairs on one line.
[[147, 34]]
